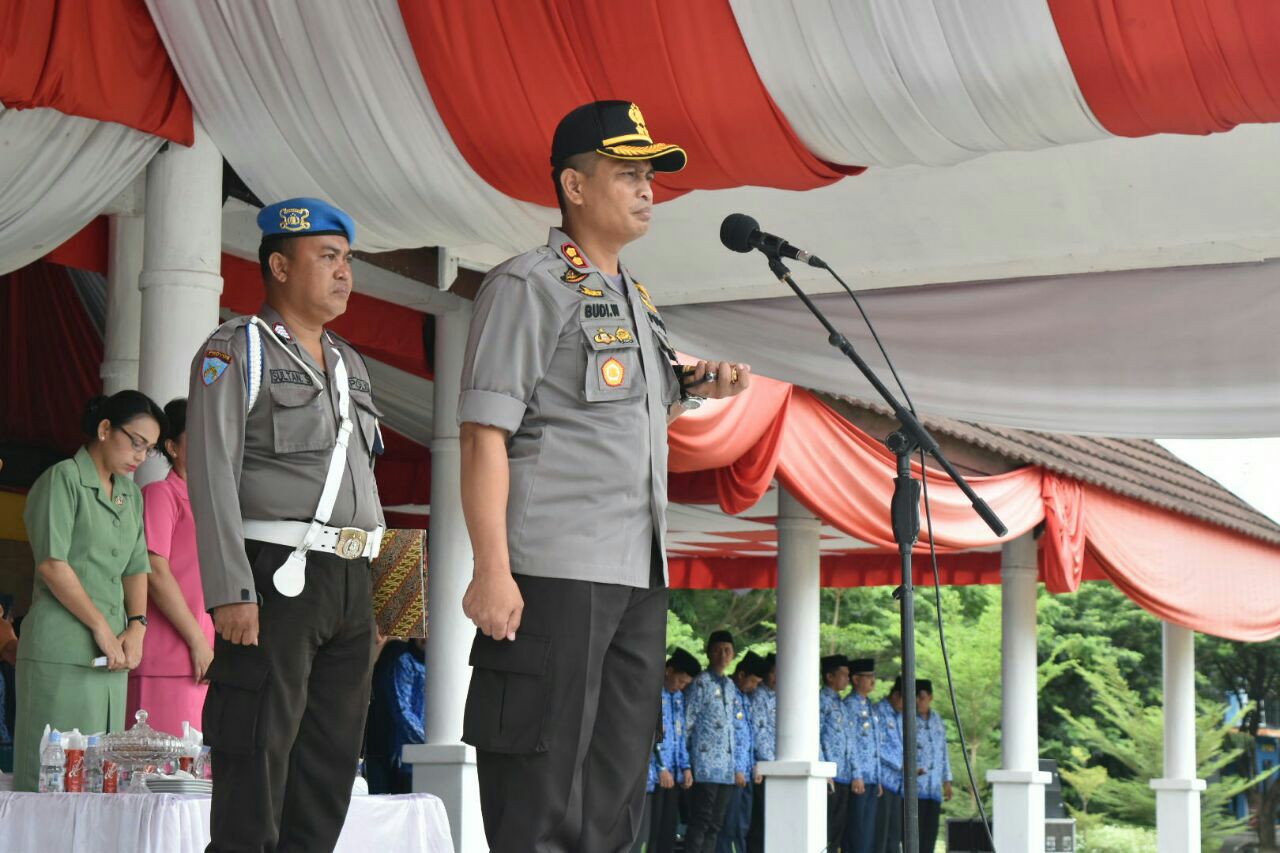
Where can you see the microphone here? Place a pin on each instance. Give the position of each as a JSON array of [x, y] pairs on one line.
[[741, 233]]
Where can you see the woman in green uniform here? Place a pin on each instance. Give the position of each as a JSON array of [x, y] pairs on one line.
[[84, 522]]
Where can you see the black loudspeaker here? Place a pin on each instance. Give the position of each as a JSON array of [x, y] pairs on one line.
[[1053, 806], [967, 835]]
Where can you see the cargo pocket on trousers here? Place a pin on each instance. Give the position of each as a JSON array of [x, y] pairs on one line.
[[233, 707], [507, 702]]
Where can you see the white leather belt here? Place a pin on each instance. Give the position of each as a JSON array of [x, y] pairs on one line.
[[349, 543]]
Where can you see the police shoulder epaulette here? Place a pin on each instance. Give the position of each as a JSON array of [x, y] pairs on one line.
[[227, 330]]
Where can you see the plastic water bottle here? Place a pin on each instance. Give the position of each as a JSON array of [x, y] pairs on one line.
[[93, 766], [53, 765]]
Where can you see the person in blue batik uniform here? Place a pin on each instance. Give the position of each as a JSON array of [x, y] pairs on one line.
[[889, 810], [669, 769], [764, 721], [935, 764], [747, 678], [709, 714], [395, 715], [864, 758], [833, 744]]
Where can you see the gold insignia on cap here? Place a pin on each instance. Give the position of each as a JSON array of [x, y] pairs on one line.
[[295, 219], [637, 118]]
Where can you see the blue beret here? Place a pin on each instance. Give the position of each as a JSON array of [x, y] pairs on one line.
[[301, 217]]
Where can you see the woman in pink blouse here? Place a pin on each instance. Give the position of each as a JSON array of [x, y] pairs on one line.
[[178, 646]]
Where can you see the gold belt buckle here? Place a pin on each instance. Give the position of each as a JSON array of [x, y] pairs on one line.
[[351, 543]]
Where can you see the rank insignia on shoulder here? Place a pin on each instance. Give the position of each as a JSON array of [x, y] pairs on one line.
[[215, 364], [571, 277], [622, 335], [613, 373], [573, 255], [603, 337], [590, 291], [282, 332]]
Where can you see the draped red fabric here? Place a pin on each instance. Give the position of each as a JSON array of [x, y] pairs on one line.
[[1062, 546], [843, 475], [846, 477], [389, 333], [1185, 571], [86, 249], [403, 471], [837, 570], [1174, 66], [100, 59], [50, 354], [503, 72], [720, 431]]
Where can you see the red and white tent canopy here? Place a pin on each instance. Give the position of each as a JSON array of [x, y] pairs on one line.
[[430, 121]]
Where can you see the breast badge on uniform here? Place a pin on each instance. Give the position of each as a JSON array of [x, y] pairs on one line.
[[590, 291], [215, 364], [623, 336], [613, 373], [119, 500], [603, 337], [573, 255], [282, 332], [571, 277]]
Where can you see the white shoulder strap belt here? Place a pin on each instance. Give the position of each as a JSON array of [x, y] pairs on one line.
[[348, 543]]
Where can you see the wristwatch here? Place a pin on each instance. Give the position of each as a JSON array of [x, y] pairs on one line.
[[133, 619]]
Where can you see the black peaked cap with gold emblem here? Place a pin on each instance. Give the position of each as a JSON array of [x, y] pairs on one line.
[[615, 129]]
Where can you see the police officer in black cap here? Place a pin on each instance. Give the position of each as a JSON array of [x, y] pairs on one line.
[[567, 390]]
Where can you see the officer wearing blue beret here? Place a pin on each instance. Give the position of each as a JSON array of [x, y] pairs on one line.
[[283, 435]]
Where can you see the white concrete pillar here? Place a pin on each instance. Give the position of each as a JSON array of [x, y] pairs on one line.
[[795, 815], [1178, 793], [181, 277], [444, 765], [123, 329], [1018, 786]]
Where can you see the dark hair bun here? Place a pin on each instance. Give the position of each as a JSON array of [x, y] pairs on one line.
[[120, 408], [93, 414]]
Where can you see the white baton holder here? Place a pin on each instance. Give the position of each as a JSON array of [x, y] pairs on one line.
[[291, 578]]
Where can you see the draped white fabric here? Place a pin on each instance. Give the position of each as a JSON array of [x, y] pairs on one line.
[[165, 823], [1186, 352], [891, 82], [327, 99], [57, 172]]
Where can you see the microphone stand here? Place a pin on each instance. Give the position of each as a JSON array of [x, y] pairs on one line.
[[909, 437]]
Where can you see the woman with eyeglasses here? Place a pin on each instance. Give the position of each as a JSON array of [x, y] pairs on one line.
[[84, 523], [179, 646]]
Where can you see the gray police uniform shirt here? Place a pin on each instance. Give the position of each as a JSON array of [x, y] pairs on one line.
[[272, 465], [576, 369]]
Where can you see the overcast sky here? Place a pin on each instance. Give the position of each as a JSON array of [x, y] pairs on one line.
[[1247, 466]]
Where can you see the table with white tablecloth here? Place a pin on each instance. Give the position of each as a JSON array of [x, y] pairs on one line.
[[169, 823]]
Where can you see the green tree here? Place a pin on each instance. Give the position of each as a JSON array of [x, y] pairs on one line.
[[1131, 733], [1252, 669]]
